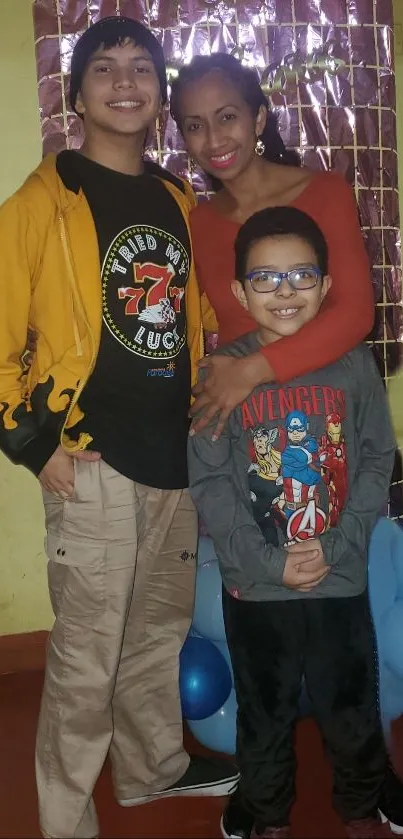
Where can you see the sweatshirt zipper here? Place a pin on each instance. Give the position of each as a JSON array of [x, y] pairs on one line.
[[75, 301]]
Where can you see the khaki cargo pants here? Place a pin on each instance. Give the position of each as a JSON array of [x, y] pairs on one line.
[[121, 580]]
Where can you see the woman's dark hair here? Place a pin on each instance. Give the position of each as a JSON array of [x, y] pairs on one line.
[[274, 222], [247, 82]]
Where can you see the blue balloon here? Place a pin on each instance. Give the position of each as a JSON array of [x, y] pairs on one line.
[[398, 561], [223, 647], [385, 582], [208, 618], [218, 732], [193, 633], [204, 679], [381, 570], [391, 639], [205, 551]]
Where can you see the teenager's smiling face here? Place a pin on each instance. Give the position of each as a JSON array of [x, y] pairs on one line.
[[218, 125], [120, 91]]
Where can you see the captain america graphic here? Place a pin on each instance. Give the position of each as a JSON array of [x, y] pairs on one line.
[[300, 464]]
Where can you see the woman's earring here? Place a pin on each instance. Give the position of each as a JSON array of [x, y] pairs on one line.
[[260, 147]]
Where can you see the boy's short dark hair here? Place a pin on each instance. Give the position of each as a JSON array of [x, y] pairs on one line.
[[108, 32], [274, 222]]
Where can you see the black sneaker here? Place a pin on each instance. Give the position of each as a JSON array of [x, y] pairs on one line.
[[236, 822], [204, 776], [391, 802]]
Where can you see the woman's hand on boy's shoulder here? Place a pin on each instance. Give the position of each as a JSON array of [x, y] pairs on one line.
[[228, 381]]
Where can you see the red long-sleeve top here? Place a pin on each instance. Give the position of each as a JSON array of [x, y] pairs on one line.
[[347, 314]]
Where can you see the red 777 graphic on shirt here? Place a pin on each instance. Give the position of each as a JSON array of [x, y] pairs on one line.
[[160, 277]]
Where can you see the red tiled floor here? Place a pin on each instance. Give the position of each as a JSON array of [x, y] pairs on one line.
[[179, 818]]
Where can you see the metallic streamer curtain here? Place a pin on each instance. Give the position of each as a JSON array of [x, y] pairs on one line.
[[326, 67]]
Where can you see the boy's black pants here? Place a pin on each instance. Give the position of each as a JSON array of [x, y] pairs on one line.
[[330, 641]]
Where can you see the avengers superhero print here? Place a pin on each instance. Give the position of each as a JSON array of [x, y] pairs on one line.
[[297, 479]]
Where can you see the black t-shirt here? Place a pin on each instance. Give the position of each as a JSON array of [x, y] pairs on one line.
[[136, 401]]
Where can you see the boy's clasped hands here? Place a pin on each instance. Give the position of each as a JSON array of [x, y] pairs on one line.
[[305, 565]]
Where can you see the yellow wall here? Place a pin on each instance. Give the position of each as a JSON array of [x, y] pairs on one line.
[[24, 602], [23, 591]]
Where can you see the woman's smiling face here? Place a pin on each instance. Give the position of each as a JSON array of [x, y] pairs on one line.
[[218, 125]]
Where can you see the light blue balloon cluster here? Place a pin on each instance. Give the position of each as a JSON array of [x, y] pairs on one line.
[[206, 679], [385, 580]]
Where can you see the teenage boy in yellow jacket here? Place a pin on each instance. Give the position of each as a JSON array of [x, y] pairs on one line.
[[97, 273]]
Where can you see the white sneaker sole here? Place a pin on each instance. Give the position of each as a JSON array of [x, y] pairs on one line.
[[46, 836], [212, 790], [224, 834], [397, 829]]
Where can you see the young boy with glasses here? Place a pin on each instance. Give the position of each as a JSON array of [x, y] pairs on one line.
[[290, 493]]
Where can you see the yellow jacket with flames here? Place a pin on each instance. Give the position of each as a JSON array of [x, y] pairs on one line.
[[51, 311]]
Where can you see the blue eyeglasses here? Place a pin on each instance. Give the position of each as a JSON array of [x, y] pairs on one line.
[[264, 280]]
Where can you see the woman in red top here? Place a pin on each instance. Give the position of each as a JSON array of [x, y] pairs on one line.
[[229, 130]]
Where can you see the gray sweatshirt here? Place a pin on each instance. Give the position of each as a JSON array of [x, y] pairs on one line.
[[308, 459]]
